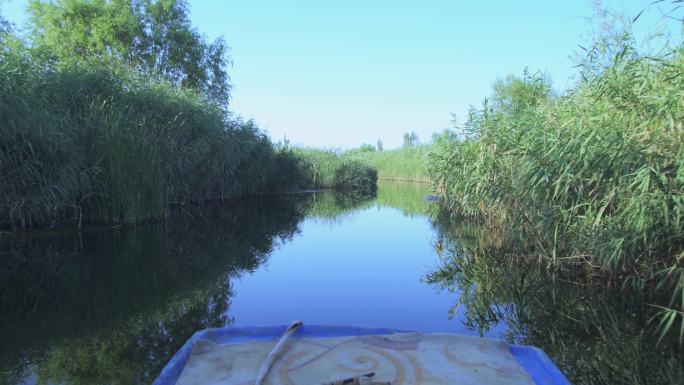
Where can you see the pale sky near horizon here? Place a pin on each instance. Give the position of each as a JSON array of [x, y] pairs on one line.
[[342, 73]]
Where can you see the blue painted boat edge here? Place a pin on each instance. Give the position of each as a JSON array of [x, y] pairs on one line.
[[171, 371], [235, 335], [538, 365]]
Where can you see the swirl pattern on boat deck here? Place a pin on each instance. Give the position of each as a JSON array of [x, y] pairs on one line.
[[403, 359]]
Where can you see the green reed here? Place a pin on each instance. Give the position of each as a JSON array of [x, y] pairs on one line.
[[593, 178], [102, 144]]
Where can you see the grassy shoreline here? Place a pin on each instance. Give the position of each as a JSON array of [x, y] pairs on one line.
[[406, 163]]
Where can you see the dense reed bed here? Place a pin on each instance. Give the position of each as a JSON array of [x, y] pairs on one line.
[[102, 144], [594, 178], [115, 124]]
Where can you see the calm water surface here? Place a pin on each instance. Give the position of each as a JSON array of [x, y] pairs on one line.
[[366, 268], [112, 305]]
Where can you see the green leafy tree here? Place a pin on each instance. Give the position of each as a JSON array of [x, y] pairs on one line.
[[410, 139], [379, 145], [445, 137], [366, 148], [153, 36]]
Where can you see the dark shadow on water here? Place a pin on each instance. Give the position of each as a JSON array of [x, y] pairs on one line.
[[112, 305]]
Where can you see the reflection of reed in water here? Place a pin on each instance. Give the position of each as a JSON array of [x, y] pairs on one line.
[[576, 320], [113, 305]]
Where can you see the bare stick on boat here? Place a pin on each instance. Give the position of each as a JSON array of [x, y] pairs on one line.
[[266, 365]]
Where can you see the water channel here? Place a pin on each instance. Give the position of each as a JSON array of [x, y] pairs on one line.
[[110, 305]]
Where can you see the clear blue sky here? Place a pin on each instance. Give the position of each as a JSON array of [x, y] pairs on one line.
[[342, 73]]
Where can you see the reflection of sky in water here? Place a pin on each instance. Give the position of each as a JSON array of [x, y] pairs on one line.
[[366, 269]]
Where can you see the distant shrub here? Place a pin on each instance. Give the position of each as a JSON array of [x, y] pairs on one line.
[[332, 169], [354, 176]]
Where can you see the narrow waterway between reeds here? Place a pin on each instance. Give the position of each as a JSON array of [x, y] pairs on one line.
[[112, 305]]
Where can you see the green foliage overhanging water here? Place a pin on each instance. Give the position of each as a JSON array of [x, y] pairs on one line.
[[594, 179], [92, 144]]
